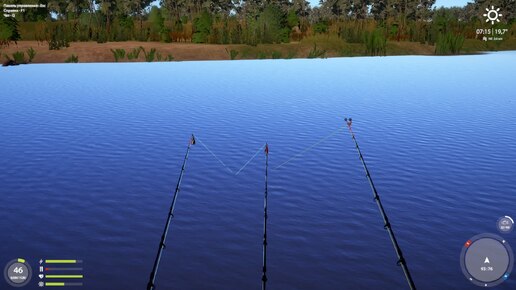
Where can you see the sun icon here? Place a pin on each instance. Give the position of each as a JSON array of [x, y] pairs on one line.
[[492, 15]]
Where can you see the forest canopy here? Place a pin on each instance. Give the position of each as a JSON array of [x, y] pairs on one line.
[[251, 21]]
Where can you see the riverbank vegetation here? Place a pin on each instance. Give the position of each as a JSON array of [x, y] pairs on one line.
[[283, 27]]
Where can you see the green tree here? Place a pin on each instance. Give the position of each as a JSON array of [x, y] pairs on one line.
[[5, 33], [292, 19], [272, 25], [8, 30], [158, 30], [202, 27], [156, 19], [134, 7]]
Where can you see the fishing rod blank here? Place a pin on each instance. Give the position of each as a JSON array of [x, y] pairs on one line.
[[150, 285], [387, 225], [264, 264]]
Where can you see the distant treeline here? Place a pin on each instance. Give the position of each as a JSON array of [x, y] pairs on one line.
[[250, 21]]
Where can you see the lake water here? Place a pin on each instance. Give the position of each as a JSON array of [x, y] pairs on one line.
[[90, 154]]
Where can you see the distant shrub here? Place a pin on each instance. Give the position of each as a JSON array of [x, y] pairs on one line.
[[19, 57], [291, 55], [102, 36], [59, 38], [276, 55], [135, 53], [72, 59], [346, 52], [321, 27], [159, 57], [284, 35], [375, 42], [261, 55], [352, 32], [245, 53], [449, 43], [316, 53], [149, 57], [165, 35], [232, 54], [170, 57], [31, 53], [118, 54]]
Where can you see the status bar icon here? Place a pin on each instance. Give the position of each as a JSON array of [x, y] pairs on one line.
[[493, 14]]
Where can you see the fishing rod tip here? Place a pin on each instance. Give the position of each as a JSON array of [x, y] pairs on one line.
[[348, 121], [192, 140]]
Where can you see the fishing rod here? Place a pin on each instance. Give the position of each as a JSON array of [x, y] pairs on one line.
[[150, 285], [387, 225], [264, 264]]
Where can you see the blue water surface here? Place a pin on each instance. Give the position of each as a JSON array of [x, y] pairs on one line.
[[90, 154]]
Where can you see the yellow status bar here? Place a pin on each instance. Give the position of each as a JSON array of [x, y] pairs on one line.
[[61, 261], [54, 283], [64, 276]]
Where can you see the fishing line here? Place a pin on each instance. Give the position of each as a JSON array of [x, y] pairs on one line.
[[213, 154], [223, 164], [387, 225], [150, 285], [309, 148], [248, 161], [300, 153]]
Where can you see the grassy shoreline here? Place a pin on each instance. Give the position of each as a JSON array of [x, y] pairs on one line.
[[325, 47]]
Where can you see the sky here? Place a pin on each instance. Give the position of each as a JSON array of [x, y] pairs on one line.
[[450, 3]]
